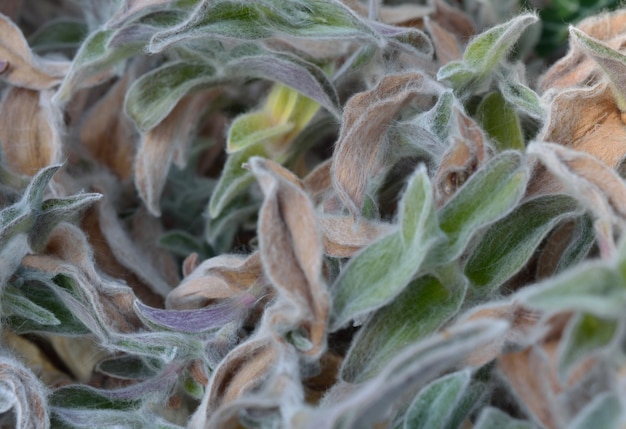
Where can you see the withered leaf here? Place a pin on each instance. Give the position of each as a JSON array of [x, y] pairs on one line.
[[25, 69], [367, 116], [157, 147], [446, 46], [109, 136], [291, 248], [468, 151], [588, 120], [220, 277], [343, 237], [30, 130]]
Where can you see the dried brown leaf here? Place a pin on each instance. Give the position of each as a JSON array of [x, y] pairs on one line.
[[454, 21], [25, 69], [220, 277], [446, 46], [30, 130], [35, 359], [109, 136], [157, 147], [588, 120], [291, 248], [367, 116], [343, 237], [468, 151], [577, 69]]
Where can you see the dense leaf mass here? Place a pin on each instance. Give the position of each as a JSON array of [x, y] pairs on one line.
[[312, 214]]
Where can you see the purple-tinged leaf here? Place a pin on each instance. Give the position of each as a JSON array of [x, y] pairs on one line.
[[200, 320]]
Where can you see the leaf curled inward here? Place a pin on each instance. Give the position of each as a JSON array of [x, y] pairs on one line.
[[20, 67], [291, 248], [366, 119], [30, 130]]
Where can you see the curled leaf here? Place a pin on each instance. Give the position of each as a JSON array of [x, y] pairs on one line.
[[291, 249], [22, 68]]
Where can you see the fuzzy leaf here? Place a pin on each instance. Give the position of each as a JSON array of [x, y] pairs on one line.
[[415, 366], [234, 178], [604, 411], [509, 243], [22, 392], [367, 116], [92, 63], [252, 128], [423, 306], [290, 246], [611, 61], [522, 98], [499, 119], [128, 367], [209, 318], [433, 407], [488, 195], [20, 67], [483, 54], [319, 19], [16, 304], [59, 34], [493, 418], [377, 274], [585, 334], [153, 96], [593, 287]]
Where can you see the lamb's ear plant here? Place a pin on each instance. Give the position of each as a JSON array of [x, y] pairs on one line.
[[311, 214]]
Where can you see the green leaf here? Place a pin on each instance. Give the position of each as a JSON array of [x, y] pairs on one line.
[[318, 19], [93, 57], [153, 96], [252, 128], [509, 243], [483, 54], [593, 287], [522, 98], [59, 34], [433, 407], [492, 418], [612, 62], [181, 243], [128, 367], [585, 334], [581, 241], [85, 397], [417, 312], [379, 273], [499, 119], [45, 298], [604, 411], [16, 304], [234, 179], [489, 194]]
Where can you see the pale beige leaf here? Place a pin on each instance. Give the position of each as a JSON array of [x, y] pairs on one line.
[[588, 120], [221, 277], [360, 146], [468, 151], [30, 130], [157, 147], [446, 46], [26, 69], [291, 248], [343, 237], [108, 136]]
